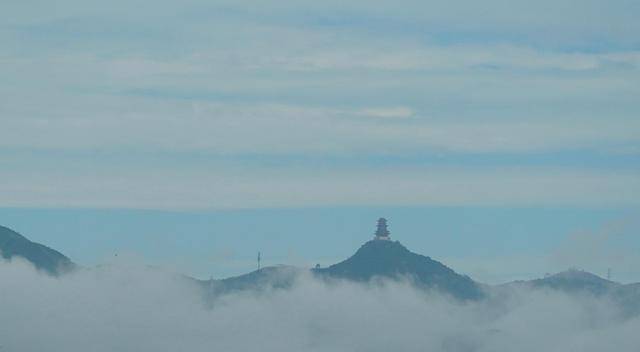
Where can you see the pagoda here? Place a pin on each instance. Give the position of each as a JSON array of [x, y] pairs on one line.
[[382, 233]]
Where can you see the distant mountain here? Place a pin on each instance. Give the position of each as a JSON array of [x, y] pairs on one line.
[[268, 278], [569, 281], [377, 259], [12, 244], [573, 282], [391, 260], [576, 281]]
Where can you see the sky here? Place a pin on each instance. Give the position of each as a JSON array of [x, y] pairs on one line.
[[487, 131]]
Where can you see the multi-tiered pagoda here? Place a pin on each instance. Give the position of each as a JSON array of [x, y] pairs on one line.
[[382, 233]]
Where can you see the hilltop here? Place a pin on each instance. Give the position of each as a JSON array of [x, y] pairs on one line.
[[13, 244]]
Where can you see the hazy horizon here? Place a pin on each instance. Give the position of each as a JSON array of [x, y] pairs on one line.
[[492, 245]]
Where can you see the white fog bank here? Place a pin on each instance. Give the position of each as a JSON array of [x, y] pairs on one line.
[[132, 308]]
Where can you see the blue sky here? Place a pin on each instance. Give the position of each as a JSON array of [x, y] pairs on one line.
[[140, 113]]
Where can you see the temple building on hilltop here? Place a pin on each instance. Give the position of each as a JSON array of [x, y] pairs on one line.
[[382, 233]]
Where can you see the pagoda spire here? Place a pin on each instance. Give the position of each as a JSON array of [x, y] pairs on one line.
[[382, 233]]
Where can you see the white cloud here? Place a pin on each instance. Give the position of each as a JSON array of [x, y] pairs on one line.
[[388, 112], [570, 23], [154, 125], [131, 308], [129, 68], [286, 79], [216, 184], [413, 56]]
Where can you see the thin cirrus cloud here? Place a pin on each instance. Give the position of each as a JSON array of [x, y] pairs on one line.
[[278, 81], [612, 22], [204, 184], [286, 129]]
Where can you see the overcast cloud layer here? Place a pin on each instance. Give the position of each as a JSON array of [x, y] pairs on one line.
[[125, 307], [439, 88]]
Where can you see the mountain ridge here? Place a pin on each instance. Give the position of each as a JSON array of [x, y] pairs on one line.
[[13, 244], [390, 259], [375, 259]]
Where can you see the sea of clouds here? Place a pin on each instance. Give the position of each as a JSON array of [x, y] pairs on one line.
[[130, 307]]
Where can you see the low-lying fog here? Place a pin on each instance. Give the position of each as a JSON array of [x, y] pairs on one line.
[[132, 308]]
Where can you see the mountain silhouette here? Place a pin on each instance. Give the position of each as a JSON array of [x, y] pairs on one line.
[[385, 259], [576, 281], [264, 279], [579, 282], [12, 244], [377, 259]]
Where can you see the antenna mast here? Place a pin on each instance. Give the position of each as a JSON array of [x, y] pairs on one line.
[[259, 259]]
